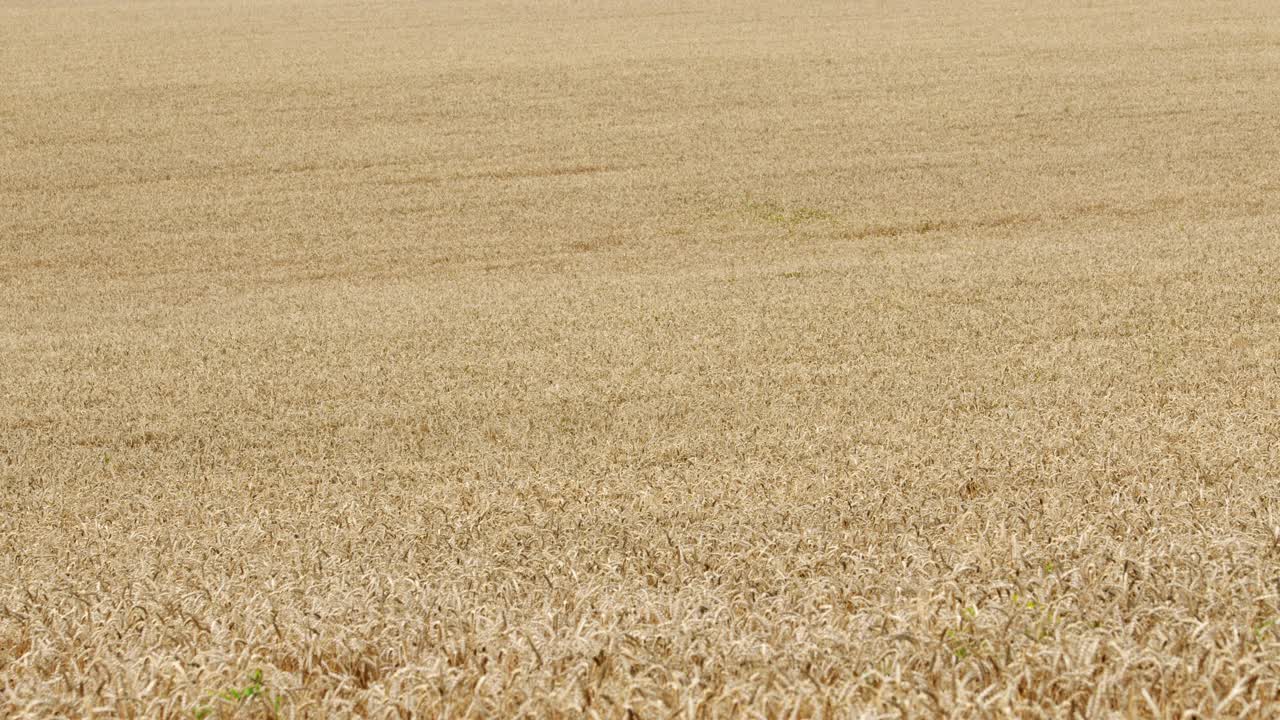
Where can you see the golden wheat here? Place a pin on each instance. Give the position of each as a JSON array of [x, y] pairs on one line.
[[639, 359]]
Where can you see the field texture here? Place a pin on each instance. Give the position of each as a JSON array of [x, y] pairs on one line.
[[639, 359]]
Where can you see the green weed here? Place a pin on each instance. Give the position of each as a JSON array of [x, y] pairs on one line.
[[254, 690]]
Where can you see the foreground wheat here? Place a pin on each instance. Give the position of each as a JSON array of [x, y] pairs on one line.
[[635, 359]]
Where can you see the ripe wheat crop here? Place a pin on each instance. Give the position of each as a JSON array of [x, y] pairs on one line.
[[639, 359]]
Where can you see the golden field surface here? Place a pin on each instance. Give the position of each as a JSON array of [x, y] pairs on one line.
[[639, 359]]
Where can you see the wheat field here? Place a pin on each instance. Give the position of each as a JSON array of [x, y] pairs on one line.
[[639, 359]]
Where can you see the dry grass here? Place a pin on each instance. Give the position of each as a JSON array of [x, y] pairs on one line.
[[632, 358]]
